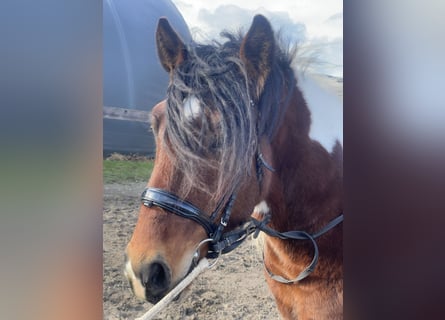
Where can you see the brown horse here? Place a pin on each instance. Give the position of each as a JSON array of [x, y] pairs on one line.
[[233, 139]]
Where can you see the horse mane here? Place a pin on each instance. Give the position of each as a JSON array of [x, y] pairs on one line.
[[224, 136]]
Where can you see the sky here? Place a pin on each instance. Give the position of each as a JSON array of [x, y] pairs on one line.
[[316, 25]]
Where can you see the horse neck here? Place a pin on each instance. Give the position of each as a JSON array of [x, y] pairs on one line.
[[305, 191]]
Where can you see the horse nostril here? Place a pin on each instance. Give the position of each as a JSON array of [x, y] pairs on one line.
[[156, 278]]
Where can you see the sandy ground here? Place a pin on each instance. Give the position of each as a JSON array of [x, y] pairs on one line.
[[234, 289]]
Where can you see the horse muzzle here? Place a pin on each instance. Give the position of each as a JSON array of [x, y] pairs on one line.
[[152, 282]]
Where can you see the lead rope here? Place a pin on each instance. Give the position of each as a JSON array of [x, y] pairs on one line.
[[199, 268], [258, 226]]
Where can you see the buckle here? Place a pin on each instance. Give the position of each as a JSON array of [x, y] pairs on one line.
[[223, 222]]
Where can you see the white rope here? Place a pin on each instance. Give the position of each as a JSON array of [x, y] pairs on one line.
[[202, 266]]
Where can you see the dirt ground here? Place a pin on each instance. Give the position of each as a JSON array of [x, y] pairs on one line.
[[234, 289]]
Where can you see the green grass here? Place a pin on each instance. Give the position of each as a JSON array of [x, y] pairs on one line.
[[117, 171]]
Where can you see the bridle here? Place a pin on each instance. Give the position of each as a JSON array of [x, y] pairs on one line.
[[220, 242]]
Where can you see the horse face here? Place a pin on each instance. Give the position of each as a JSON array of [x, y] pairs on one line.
[[162, 247], [161, 250]]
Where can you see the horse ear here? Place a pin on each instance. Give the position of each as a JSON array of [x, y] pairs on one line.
[[171, 49], [257, 51]]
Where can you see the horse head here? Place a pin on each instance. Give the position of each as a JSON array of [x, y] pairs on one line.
[[208, 136]]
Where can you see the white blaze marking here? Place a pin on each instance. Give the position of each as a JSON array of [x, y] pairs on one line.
[[138, 289], [192, 108]]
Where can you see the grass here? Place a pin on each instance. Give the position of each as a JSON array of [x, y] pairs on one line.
[[126, 169]]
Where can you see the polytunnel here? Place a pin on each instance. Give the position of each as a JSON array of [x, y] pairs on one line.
[[133, 79]]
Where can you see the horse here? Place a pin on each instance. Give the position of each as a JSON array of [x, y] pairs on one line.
[[233, 157]]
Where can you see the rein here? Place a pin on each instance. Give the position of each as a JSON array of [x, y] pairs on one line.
[[221, 243], [295, 235]]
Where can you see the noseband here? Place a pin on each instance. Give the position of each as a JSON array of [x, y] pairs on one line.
[[221, 242], [170, 202]]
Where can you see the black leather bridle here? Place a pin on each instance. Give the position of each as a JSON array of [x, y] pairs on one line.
[[220, 242]]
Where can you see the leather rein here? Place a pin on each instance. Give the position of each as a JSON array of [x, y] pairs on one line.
[[220, 242]]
